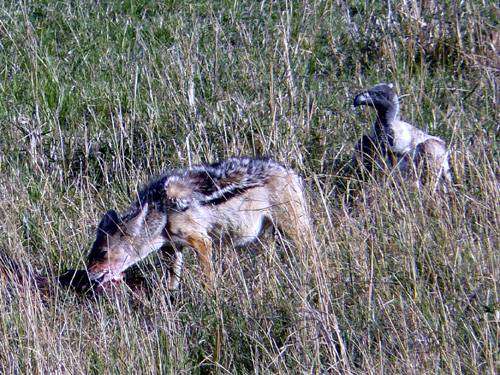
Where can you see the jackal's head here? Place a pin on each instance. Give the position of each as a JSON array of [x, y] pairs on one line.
[[121, 242]]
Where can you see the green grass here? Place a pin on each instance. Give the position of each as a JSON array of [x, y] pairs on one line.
[[97, 97]]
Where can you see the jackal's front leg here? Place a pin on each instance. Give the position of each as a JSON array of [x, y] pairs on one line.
[[203, 247], [174, 261]]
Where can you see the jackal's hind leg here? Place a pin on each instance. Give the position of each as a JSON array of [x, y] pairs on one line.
[[299, 230], [292, 218]]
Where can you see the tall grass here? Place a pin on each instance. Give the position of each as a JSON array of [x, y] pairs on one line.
[[96, 97]]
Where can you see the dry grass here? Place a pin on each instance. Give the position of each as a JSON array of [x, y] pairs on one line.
[[98, 97]]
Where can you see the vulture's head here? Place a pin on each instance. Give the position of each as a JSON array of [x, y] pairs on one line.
[[381, 96]]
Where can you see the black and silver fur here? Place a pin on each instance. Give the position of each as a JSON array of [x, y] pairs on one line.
[[209, 184], [233, 199]]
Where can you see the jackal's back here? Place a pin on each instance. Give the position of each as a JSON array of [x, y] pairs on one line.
[[209, 184]]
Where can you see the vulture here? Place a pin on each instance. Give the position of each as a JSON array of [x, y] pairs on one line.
[[397, 144]]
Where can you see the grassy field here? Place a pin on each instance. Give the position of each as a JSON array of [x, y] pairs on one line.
[[98, 96]]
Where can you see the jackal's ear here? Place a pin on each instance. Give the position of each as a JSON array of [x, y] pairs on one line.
[[108, 224]]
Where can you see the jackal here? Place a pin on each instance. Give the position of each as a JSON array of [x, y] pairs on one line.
[[232, 199], [396, 143]]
